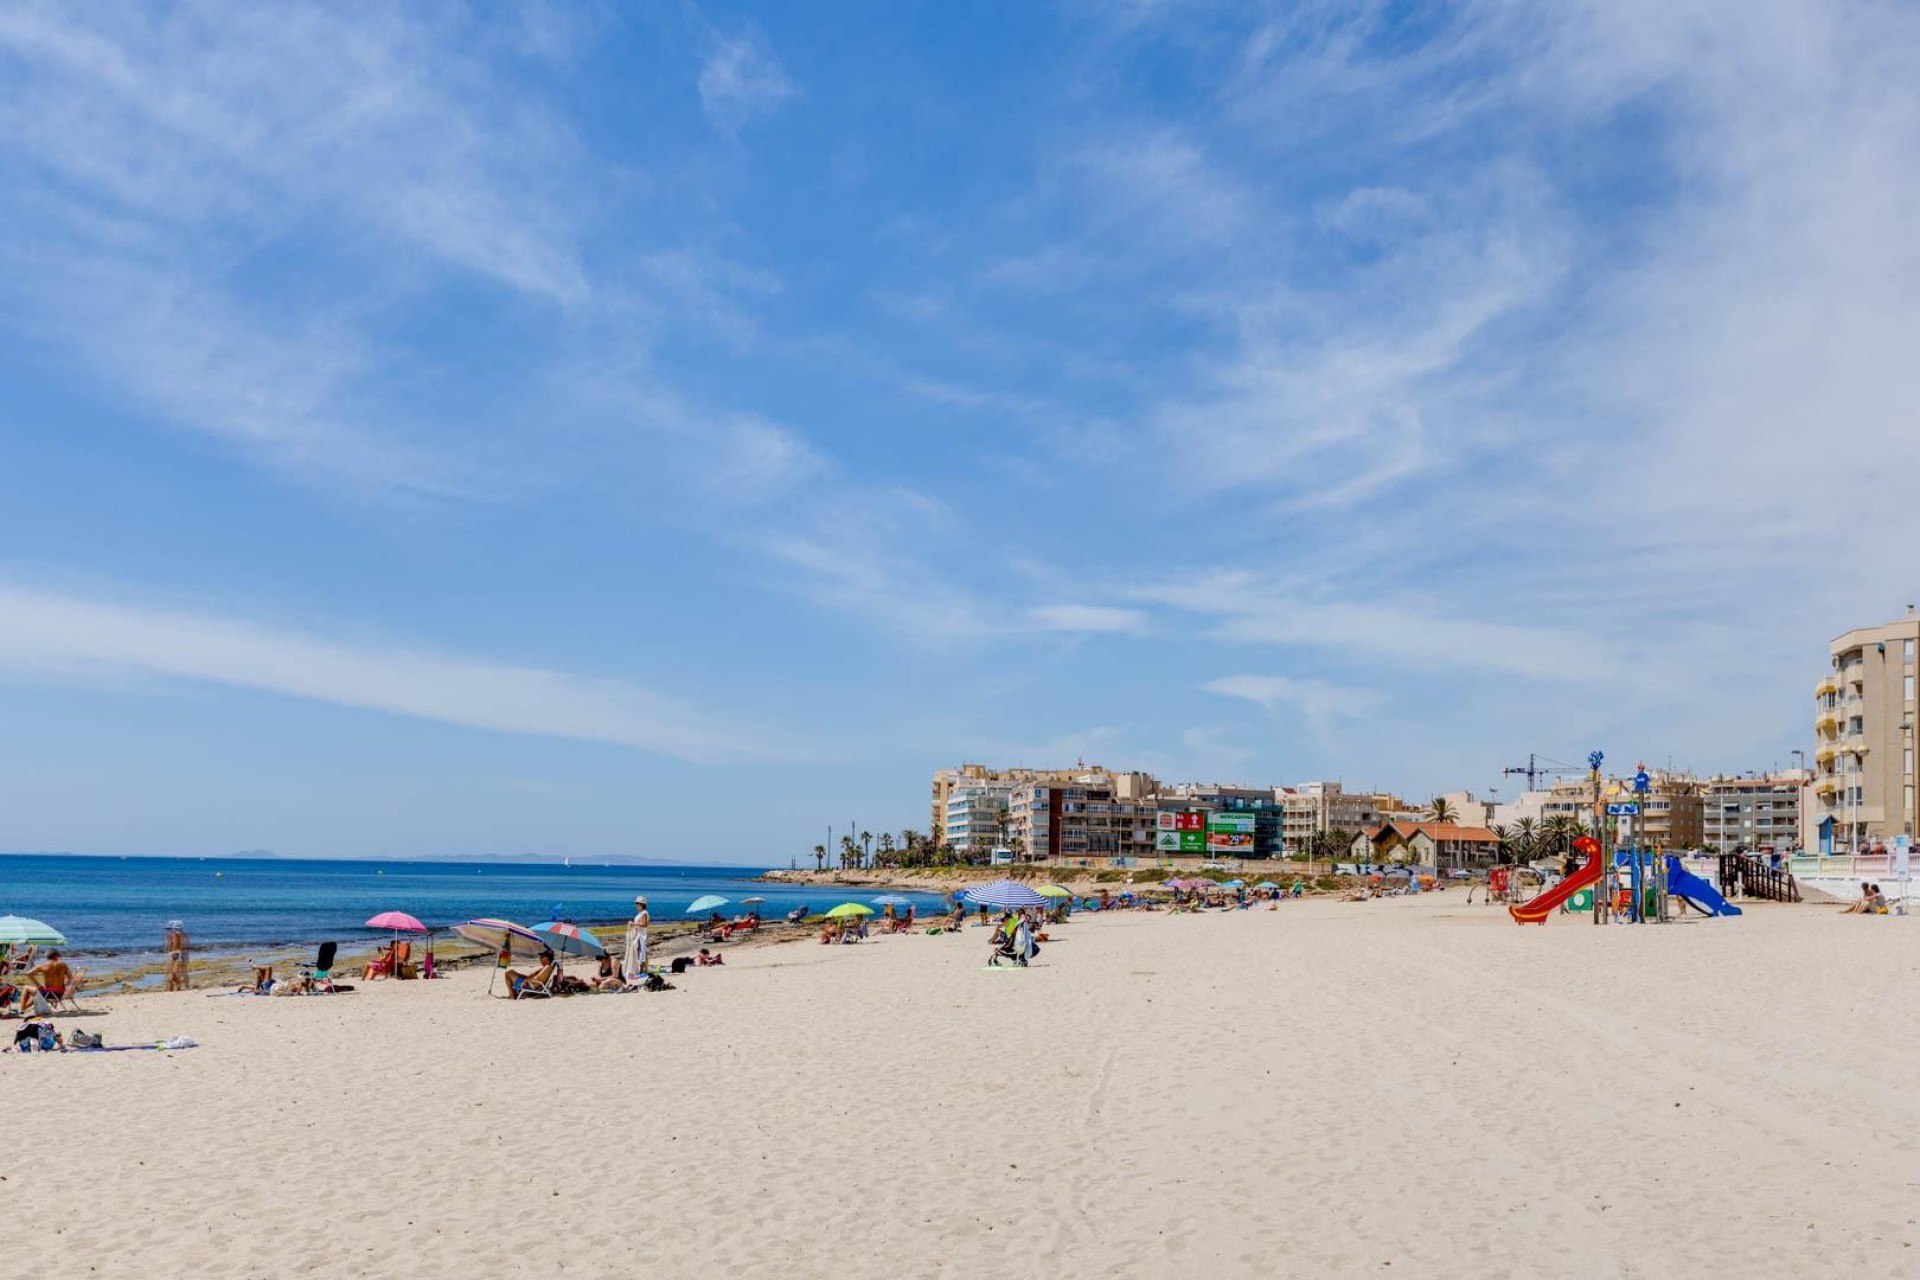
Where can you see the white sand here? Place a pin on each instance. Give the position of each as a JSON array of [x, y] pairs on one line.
[[1326, 1089]]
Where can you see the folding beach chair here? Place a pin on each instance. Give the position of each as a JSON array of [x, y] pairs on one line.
[[319, 975]]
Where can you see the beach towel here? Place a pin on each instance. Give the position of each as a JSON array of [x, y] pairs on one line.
[[635, 960]]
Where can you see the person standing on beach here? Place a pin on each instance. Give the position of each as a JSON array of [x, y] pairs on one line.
[[636, 957], [176, 972]]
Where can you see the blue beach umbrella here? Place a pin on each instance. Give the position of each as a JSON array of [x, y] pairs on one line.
[[1266, 884], [569, 939], [708, 903], [1004, 894], [892, 900]]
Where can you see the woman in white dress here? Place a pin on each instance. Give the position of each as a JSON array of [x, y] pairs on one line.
[[634, 966]]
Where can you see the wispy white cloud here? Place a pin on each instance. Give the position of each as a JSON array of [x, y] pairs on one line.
[[1319, 702], [1090, 618], [46, 634], [741, 80], [159, 163]]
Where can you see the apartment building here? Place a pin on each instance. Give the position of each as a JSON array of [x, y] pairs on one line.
[[978, 776], [976, 818], [1314, 807], [1755, 811], [1089, 816], [1672, 812], [1864, 778]]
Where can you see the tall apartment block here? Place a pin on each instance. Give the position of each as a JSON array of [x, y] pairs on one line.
[[1755, 812], [1864, 778]]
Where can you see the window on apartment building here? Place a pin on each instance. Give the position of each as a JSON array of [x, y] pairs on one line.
[[1909, 684], [1909, 791], [1906, 652]]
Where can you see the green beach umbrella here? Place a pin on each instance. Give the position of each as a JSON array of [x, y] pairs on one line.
[[847, 909], [19, 931], [1053, 891]]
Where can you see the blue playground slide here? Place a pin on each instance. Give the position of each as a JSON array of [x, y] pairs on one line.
[[1701, 896]]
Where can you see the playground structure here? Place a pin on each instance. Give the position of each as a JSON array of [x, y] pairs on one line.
[[1536, 909], [1639, 884], [1635, 885]]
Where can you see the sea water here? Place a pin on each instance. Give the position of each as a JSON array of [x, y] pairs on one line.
[[121, 906]]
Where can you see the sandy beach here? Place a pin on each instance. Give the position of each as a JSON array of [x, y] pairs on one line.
[[1405, 1087]]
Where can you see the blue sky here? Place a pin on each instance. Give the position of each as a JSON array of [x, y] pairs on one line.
[[668, 429]]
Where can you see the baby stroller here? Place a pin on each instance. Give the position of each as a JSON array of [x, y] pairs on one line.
[[1017, 946]]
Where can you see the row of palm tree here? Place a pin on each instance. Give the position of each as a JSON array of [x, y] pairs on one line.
[[909, 849], [1529, 839]]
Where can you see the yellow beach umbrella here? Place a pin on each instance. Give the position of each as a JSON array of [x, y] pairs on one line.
[[1053, 891]]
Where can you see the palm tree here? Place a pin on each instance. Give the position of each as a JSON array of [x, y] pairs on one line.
[[1328, 845], [1504, 834], [849, 852], [866, 847], [886, 848], [911, 841], [1442, 810], [1526, 838], [819, 857], [1556, 835]]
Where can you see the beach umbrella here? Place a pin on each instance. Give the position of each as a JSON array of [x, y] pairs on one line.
[[1004, 894], [507, 940], [753, 901], [569, 939], [1053, 891], [1266, 884], [397, 922], [848, 910], [707, 903], [892, 900], [1232, 884], [19, 931]]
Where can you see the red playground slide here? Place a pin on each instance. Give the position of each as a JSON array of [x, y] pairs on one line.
[[1536, 909]]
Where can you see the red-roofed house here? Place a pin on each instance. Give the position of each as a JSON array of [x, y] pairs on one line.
[[1442, 845]]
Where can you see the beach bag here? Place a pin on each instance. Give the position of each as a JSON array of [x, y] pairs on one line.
[[84, 1040]]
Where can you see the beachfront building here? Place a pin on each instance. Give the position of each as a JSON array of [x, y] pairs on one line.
[[976, 777], [1468, 809], [1093, 816], [1444, 846], [1316, 807], [1672, 812], [1864, 769], [1755, 812], [1528, 805], [976, 817]]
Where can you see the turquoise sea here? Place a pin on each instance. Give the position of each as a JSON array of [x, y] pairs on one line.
[[121, 906]]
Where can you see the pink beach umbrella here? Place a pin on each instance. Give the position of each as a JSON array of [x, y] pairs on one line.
[[399, 922]]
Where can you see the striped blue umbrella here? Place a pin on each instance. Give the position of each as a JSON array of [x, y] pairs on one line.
[[569, 939], [1005, 894]]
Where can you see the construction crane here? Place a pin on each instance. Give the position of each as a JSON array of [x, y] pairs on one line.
[[1534, 770]]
